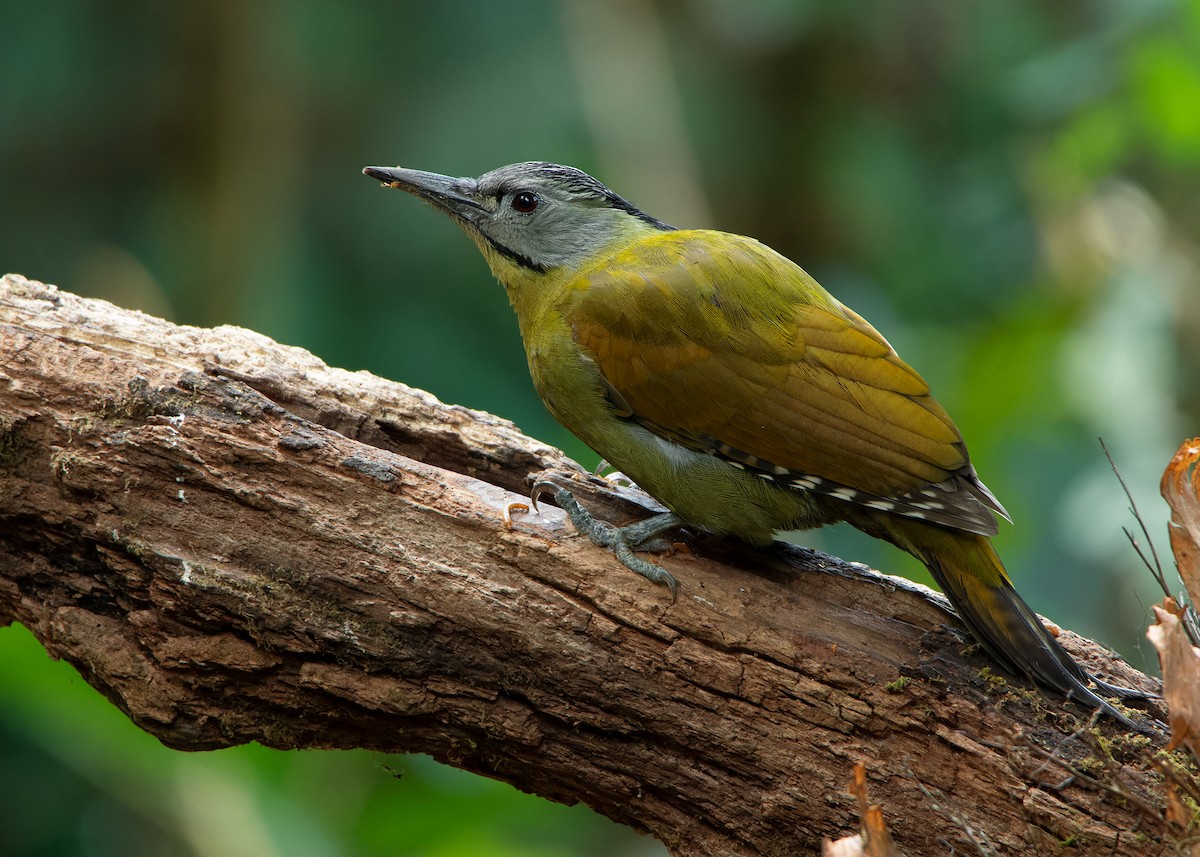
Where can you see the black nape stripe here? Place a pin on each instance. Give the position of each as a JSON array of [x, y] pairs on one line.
[[520, 259]]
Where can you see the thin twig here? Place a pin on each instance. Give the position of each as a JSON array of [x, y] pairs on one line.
[[1156, 569], [1191, 621], [937, 802], [1113, 786]]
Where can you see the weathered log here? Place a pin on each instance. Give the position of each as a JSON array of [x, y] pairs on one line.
[[235, 542]]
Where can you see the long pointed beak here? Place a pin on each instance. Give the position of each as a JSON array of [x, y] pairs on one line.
[[457, 197]]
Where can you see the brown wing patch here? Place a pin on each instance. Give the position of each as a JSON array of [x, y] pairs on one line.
[[755, 363]]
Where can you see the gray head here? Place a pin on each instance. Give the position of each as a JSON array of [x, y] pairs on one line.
[[535, 215]]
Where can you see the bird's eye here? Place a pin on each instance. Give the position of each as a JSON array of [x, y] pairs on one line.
[[525, 202]]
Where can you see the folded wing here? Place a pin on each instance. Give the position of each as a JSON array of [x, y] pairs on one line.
[[718, 343]]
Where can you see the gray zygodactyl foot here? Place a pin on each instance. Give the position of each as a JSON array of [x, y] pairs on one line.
[[622, 541]]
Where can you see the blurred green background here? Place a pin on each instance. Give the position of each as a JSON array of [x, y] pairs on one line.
[[1009, 190]]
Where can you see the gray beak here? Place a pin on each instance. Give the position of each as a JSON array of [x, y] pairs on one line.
[[457, 197]]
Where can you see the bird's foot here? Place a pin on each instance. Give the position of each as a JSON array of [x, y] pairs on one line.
[[622, 541], [616, 477]]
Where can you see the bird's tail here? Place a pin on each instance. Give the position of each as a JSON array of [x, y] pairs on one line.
[[970, 573]]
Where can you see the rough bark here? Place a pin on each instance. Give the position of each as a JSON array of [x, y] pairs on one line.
[[235, 542]]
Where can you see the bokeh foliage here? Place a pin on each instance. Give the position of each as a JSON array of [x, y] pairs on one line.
[[1009, 190]]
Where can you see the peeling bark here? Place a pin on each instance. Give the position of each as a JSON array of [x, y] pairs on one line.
[[235, 542]]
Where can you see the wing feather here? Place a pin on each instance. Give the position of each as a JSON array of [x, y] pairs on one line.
[[718, 343]]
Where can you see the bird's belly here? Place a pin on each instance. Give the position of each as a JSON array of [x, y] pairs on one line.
[[705, 490]]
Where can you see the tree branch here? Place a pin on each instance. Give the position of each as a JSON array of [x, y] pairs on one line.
[[235, 542]]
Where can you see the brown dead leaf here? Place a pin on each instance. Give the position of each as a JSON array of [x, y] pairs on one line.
[[874, 840], [1177, 812], [1180, 662], [847, 846], [1180, 487]]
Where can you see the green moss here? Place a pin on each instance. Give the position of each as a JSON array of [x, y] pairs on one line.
[[996, 682]]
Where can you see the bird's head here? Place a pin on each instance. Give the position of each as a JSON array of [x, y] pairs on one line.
[[528, 218]]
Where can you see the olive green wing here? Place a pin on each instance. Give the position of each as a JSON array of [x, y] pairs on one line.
[[718, 343]]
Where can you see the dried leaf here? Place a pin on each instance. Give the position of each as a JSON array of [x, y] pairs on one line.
[[1180, 487], [847, 846], [1180, 662], [1177, 812], [875, 840]]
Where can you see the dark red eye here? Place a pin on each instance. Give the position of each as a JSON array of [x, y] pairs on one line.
[[525, 202]]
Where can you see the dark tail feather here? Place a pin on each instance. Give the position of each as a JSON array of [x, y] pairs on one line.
[[970, 573]]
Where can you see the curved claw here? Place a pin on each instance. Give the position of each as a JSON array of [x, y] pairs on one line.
[[540, 489], [653, 572]]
